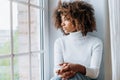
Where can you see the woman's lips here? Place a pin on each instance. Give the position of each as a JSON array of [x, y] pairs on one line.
[[64, 28]]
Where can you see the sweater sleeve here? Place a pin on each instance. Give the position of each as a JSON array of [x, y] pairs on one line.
[[58, 57], [96, 56]]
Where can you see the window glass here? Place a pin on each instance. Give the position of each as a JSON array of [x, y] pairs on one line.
[[5, 40]]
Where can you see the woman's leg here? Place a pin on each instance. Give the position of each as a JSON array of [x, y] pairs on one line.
[[79, 76], [55, 78]]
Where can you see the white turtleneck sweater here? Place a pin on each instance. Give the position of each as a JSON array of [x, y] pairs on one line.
[[78, 49]]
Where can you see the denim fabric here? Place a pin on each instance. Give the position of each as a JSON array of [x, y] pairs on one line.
[[78, 76]]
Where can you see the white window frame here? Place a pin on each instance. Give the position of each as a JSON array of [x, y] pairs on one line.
[[44, 51]]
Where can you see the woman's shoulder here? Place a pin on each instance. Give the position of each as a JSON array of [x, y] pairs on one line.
[[59, 40], [95, 39]]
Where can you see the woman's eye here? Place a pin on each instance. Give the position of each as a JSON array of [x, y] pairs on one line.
[[67, 19]]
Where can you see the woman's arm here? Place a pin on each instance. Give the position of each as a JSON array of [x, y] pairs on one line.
[[97, 50], [69, 70], [58, 57]]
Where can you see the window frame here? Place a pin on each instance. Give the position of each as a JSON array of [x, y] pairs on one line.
[[44, 50]]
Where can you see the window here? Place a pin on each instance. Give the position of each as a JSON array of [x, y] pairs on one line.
[[22, 39]]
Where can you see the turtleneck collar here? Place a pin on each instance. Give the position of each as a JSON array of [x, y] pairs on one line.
[[76, 35]]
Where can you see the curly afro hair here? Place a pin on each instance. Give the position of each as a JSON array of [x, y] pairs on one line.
[[81, 13]]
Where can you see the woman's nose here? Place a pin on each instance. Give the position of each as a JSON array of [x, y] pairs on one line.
[[62, 24]]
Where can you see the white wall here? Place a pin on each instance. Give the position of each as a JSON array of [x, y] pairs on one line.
[[101, 13]]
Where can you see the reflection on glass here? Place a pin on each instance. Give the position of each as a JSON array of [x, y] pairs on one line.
[[4, 27], [5, 69], [35, 29], [21, 68]]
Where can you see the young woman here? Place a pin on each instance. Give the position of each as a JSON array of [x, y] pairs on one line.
[[77, 55]]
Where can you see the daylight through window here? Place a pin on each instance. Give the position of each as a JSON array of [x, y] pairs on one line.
[[21, 39]]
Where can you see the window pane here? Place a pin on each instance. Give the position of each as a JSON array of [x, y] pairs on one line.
[[35, 29], [15, 27], [35, 2], [35, 66], [21, 68], [4, 27], [21, 29], [5, 70]]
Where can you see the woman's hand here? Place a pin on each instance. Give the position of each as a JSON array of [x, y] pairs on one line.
[[65, 72], [69, 69], [76, 68]]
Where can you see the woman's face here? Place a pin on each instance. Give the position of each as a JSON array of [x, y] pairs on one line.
[[67, 25]]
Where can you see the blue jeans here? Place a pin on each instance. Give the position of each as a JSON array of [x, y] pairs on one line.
[[78, 76]]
